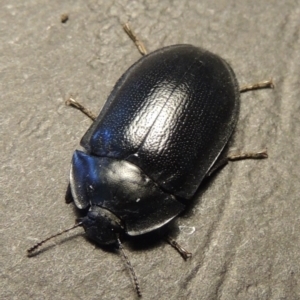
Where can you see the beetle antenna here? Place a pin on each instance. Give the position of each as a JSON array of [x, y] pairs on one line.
[[36, 246], [136, 282]]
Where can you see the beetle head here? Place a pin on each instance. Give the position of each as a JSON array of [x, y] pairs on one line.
[[101, 226]]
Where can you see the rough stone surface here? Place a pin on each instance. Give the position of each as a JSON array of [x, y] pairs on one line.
[[243, 228]]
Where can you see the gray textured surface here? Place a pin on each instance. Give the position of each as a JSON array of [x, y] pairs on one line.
[[243, 230]]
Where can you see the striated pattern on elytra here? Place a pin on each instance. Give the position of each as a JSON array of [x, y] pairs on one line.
[[170, 114]]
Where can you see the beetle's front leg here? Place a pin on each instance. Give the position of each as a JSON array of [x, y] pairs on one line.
[[183, 252], [222, 161]]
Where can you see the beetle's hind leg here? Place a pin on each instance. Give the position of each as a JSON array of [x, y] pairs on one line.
[[139, 44], [223, 161], [268, 84], [72, 102]]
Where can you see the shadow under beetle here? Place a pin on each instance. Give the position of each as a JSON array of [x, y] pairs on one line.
[[158, 136]]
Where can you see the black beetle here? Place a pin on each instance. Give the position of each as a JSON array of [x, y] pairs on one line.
[[162, 128], [160, 133]]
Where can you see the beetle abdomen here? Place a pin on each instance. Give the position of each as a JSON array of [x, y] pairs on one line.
[[170, 114]]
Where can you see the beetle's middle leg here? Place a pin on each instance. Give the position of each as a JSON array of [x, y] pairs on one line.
[[222, 161]]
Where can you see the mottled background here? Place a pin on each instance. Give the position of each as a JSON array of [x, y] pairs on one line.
[[243, 229]]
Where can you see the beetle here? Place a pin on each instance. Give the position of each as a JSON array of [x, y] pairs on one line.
[[162, 128], [159, 135]]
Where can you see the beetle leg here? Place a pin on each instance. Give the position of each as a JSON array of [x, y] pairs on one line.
[[256, 86], [236, 156], [248, 155], [183, 252], [72, 102], [139, 44]]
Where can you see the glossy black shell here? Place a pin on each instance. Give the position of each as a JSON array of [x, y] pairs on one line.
[[170, 114]]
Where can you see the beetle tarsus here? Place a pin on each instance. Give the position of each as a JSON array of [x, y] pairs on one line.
[[221, 162], [37, 245], [183, 252], [139, 44], [268, 84], [248, 155], [136, 282], [72, 102]]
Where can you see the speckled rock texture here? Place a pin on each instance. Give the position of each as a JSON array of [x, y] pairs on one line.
[[242, 227]]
